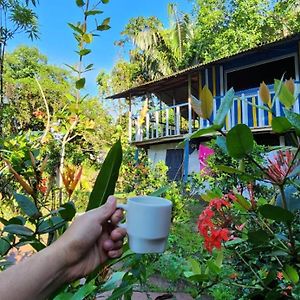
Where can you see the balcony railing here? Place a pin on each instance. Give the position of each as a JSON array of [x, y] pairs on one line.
[[179, 119]]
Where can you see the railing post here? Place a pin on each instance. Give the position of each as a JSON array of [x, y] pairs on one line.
[[244, 110], [167, 122], [177, 119], [147, 126], [156, 123], [261, 116]]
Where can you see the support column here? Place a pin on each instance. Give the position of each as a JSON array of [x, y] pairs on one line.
[[186, 160], [129, 121], [189, 103]]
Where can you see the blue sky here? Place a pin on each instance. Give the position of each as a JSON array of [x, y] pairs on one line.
[[56, 40]]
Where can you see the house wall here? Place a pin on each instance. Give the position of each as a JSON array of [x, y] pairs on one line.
[[158, 153]]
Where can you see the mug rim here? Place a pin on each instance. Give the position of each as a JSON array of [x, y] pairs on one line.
[[158, 201]]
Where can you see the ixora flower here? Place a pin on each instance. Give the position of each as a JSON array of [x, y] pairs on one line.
[[281, 166], [213, 229]]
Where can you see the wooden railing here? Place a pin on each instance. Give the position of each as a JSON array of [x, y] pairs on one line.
[[178, 120]]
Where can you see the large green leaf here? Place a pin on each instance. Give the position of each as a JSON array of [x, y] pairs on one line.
[[258, 237], [113, 281], [27, 206], [84, 291], [290, 273], [4, 245], [284, 95], [281, 125], [68, 211], [224, 108], [107, 177], [239, 141], [276, 213], [18, 229], [51, 224], [221, 143], [293, 118], [80, 83]]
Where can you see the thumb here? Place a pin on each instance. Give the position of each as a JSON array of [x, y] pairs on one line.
[[105, 211]]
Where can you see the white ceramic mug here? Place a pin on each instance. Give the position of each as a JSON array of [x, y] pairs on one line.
[[148, 221]]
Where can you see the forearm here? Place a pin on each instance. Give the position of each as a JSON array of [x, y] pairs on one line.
[[35, 278]]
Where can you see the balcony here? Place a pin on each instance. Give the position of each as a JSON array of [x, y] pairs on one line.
[[174, 122]]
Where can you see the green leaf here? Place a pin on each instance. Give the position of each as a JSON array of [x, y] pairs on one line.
[[276, 213], [104, 1], [51, 224], [68, 211], [103, 27], [107, 177], [93, 12], [281, 125], [213, 268], [241, 200], [27, 206], [293, 118], [17, 220], [64, 296], [79, 3], [89, 67], [221, 143], [4, 245], [195, 266], [291, 274], [228, 170], [239, 141], [219, 259], [87, 37], [76, 28], [80, 83], [258, 237], [160, 191], [196, 277], [203, 131], [226, 104], [84, 52], [120, 291], [18, 229], [84, 291], [284, 95], [72, 68], [113, 281]]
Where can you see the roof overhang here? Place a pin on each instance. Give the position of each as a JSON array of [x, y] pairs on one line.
[[173, 81]]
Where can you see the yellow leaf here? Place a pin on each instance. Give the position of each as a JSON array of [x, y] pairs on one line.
[[264, 94], [196, 106], [290, 85], [206, 99]]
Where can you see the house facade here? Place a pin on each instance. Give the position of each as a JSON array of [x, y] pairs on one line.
[[164, 127]]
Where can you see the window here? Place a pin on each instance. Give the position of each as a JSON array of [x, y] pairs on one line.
[[251, 77]]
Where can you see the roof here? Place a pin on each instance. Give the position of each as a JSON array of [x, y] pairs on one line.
[[168, 81]]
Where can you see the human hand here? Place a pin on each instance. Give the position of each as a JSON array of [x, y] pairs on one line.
[[91, 239]]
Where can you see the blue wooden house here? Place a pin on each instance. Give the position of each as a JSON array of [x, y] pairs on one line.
[[165, 126]]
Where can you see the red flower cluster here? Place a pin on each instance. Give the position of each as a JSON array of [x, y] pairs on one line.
[[211, 224], [42, 186], [280, 167]]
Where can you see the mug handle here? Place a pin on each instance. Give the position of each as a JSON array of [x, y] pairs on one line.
[[124, 207]]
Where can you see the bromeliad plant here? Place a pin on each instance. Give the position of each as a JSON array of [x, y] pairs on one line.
[[258, 234]]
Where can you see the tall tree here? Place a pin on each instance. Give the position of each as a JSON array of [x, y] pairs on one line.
[[15, 17]]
